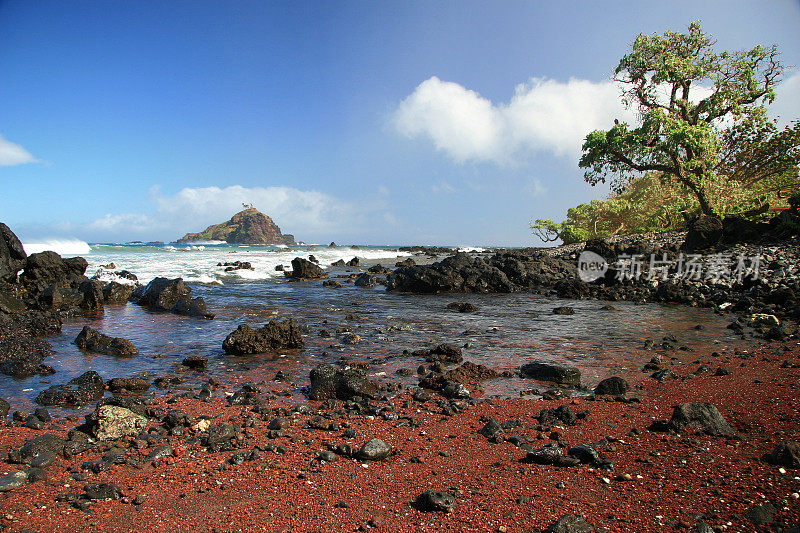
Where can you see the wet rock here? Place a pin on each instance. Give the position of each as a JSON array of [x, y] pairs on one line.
[[586, 454], [699, 415], [563, 375], [443, 353], [331, 283], [195, 362], [13, 480], [354, 262], [762, 514], [457, 273], [462, 307], [21, 356], [12, 255], [116, 292], [86, 388], [171, 295], [92, 292], [435, 501], [103, 491], [374, 450], [328, 382], [219, 437], [94, 341], [177, 419], [570, 524], [786, 454], [470, 373], [305, 269], [128, 384], [350, 338], [614, 385], [366, 280], [110, 422], [564, 310], [4, 408], [274, 336]]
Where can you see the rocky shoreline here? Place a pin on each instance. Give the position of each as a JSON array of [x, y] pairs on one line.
[[700, 442]]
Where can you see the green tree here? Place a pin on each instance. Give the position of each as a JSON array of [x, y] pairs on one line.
[[702, 117]]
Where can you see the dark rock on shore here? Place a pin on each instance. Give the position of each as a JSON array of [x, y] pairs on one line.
[[195, 362], [435, 501], [305, 269], [502, 272], [570, 524], [786, 454], [117, 292], [374, 450], [328, 382], [128, 384], [274, 336], [94, 341], [12, 255], [86, 388], [442, 353], [111, 422], [702, 416], [171, 295], [462, 307], [470, 372], [21, 356], [614, 385], [563, 375], [4, 408]]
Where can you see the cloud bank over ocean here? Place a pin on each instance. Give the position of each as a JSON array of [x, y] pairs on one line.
[[543, 115]]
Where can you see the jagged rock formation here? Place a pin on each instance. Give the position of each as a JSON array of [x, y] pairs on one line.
[[250, 226]]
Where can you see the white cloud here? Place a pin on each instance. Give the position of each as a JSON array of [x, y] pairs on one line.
[[442, 188], [14, 154], [543, 115], [306, 214]]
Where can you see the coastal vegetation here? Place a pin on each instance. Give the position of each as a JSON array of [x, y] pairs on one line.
[[704, 143]]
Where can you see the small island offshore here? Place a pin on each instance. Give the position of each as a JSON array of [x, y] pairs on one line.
[[249, 226]]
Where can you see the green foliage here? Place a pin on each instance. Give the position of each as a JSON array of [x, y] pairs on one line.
[[694, 144], [651, 203]]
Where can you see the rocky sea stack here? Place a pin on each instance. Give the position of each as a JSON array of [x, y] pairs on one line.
[[249, 226]]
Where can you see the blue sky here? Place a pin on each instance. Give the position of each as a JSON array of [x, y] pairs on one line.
[[360, 122]]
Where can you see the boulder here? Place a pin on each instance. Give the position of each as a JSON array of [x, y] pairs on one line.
[[110, 422], [117, 292], [4, 408], [103, 491], [562, 415], [563, 375], [86, 388], [699, 415], [442, 353], [128, 384], [21, 356], [92, 296], [328, 382], [13, 480], [12, 255], [374, 450], [614, 385], [570, 524], [366, 280], [470, 373], [195, 362], [274, 336], [172, 295], [94, 341], [41, 444], [432, 501], [786, 454], [305, 269]]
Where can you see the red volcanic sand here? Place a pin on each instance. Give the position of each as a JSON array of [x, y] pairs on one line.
[[676, 478]]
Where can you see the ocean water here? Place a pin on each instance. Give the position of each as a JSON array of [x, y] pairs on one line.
[[505, 332]]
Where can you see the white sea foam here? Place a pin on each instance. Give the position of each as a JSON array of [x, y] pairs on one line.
[[64, 247], [471, 249], [199, 264]]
